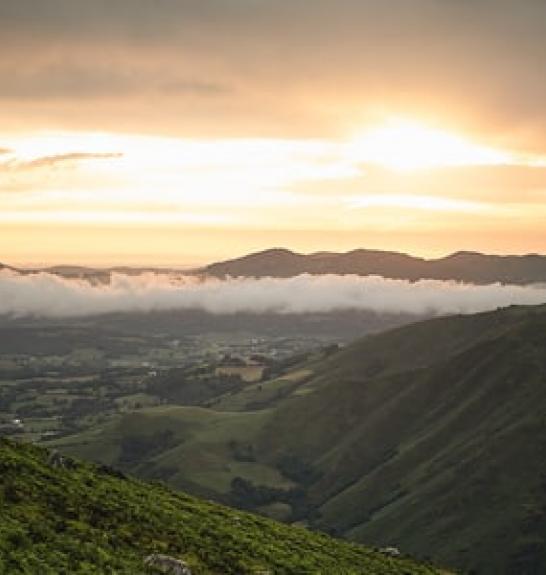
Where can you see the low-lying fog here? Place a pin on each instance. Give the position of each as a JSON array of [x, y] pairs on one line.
[[48, 295]]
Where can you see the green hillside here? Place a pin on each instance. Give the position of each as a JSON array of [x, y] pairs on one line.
[[189, 447], [453, 453], [66, 517], [431, 437]]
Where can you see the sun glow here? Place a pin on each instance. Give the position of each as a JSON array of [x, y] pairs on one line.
[[407, 145]]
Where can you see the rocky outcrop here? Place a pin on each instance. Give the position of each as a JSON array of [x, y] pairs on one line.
[[166, 564]]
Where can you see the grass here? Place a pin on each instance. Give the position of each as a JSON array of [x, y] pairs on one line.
[[80, 519], [264, 393], [203, 454]]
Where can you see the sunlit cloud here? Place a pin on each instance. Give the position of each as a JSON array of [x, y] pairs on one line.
[[172, 171]]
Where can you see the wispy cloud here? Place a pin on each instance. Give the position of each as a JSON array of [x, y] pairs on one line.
[[49, 161], [71, 157]]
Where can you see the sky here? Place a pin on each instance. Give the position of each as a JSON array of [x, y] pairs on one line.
[[179, 132]]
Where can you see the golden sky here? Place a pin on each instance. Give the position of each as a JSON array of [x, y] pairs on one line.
[[175, 132]]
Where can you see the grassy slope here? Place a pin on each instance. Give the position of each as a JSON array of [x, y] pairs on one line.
[[199, 457], [446, 456], [260, 395], [83, 519]]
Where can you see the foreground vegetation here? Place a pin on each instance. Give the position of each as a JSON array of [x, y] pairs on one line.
[[69, 517]]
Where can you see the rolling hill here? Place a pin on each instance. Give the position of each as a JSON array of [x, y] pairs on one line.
[[431, 437], [65, 516], [470, 267]]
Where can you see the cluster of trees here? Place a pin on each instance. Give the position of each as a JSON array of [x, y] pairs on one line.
[[186, 387]]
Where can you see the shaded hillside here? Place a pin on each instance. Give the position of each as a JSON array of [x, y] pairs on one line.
[[412, 440], [431, 437], [468, 267], [62, 516]]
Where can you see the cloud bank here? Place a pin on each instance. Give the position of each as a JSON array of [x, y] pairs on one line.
[[47, 295], [483, 61]]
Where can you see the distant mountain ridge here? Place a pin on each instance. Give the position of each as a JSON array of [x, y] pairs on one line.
[[6, 267], [464, 266], [470, 267]]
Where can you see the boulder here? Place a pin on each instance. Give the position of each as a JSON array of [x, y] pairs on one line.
[[166, 564]]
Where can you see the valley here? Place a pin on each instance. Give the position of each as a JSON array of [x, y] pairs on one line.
[[61, 376], [417, 436], [377, 427]]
